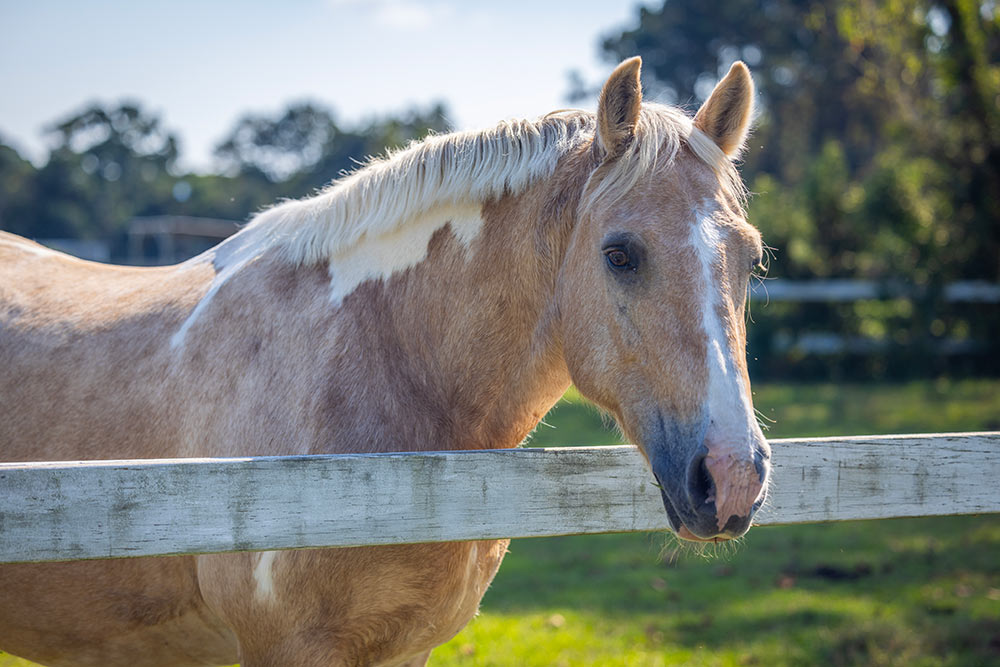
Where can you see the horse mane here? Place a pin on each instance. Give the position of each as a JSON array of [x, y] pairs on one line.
[[382, 195]]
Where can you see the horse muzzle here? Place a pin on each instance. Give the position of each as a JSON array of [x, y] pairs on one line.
[[710, 490]]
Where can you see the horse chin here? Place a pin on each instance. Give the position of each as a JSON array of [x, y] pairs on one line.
[[673, 518], [686, 534]]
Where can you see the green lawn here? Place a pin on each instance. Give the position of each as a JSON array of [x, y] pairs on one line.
[[902, 592]]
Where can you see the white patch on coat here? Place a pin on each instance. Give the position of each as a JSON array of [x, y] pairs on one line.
[[369, 258], [380, 257], [473, 562], [732, 423], [263, 574]]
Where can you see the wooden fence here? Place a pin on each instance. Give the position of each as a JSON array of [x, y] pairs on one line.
[[846, 290], [110, 509]]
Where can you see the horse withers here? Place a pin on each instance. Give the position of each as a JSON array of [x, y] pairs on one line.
[[441, 298]]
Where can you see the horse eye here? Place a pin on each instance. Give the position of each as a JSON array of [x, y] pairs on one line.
[[617, 257]]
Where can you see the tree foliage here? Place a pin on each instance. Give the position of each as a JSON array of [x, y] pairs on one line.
[[877, 151], [109, 164]]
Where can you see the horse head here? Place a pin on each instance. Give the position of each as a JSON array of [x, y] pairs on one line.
[[652, 295]]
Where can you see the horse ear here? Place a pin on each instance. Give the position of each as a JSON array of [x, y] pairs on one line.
[[725, 116], [618, 108]]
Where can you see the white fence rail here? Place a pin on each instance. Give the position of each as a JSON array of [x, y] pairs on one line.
[[845, 290], [110, 509]]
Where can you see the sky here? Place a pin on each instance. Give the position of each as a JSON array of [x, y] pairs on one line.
[[201, 65]]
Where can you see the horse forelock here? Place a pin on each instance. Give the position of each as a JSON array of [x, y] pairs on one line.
[[660, 134]]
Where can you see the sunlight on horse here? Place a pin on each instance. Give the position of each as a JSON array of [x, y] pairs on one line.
[[442, 298]]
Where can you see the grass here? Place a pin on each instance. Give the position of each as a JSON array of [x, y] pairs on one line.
[[818, 409], [915, 591], [902, 592]]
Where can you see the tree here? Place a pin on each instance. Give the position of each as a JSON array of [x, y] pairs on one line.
[[123, 132], [877, 152], [878, 120], [305, 143], [343, 152], [108, 164], [17, 183], [304, 149], [278, 147]]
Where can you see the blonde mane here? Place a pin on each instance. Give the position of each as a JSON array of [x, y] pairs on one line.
[[469, 167]]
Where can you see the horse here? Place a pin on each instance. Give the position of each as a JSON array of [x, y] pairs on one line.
[[442, 297]]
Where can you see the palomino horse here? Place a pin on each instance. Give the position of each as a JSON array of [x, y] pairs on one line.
[[442, 298]]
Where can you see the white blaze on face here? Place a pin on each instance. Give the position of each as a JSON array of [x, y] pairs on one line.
[[732, 425], [380, 257]]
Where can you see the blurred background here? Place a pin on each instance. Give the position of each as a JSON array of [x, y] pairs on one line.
[[143, 134]]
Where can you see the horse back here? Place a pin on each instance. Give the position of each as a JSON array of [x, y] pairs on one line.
[[82, 348]]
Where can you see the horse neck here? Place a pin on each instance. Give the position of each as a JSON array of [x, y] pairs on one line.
[[464, 349], [466, 346], [460, 350]]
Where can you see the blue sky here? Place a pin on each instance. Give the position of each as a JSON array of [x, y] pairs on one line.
[[202, 64]]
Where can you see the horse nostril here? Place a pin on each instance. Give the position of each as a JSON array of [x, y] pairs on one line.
[[701, 486], [759, 464]]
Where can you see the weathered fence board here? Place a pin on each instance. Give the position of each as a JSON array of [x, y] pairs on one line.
[[845, 290], [102, 509]]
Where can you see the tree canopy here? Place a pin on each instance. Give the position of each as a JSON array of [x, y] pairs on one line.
[[876, 155], [110, 163], [877, 151]]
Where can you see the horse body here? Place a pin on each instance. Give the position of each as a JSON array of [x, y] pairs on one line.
[[362, 382], [449, 314]]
